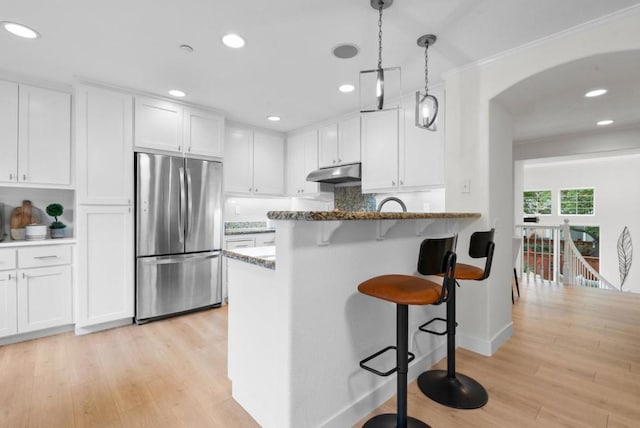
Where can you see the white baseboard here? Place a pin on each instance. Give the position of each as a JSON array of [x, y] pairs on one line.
[[102, 326], [374, 399], [486, 347], [36, 334]]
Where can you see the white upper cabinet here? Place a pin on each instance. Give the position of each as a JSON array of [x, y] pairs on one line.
[[158, 125], [35, 135], [104, 146], [302, 158], [421, 151], [328, 145], [203, 133], [254, 162], [268, 164], [349, 140], [8, 132], [170, 127], [238, 162], [339, 143], [380, 135], [397, 155]]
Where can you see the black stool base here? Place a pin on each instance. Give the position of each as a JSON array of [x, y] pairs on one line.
[[389, 420], [460, 392]]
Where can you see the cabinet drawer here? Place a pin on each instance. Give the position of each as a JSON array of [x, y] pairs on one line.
[[240, 243], [50, 255], [7, 259]]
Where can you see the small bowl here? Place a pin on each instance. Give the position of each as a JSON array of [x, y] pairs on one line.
[[36, 232]]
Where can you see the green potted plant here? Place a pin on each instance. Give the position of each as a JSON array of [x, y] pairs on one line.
[[57, 227]]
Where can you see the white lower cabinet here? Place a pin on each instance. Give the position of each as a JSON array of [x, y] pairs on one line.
[[44, 298], [8, 303], [35, 288], [105, 265]]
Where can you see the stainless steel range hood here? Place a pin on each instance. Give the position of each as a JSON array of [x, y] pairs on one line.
[[336, 174]]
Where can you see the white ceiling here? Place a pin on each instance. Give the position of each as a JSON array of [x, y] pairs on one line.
[[286, 67], [552, 103]]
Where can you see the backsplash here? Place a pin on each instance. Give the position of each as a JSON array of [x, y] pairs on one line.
[[350, 198]]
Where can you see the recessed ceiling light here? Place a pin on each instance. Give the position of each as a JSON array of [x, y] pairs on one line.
[[20, 30], [233, 41], [177, 93], [346, 88], [595, 93], [605, 122], [273, 118]]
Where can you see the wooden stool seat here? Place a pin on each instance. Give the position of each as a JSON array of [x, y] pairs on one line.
[[402, 289], [469, 272]]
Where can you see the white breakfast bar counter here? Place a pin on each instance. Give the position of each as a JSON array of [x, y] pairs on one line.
[[298, 326]]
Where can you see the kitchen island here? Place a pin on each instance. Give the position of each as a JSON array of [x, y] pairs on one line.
[[298, 329]]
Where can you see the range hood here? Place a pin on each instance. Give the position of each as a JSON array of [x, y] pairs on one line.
[[336, 174]]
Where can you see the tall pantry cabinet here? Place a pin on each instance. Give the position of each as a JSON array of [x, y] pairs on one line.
[[104, 130]]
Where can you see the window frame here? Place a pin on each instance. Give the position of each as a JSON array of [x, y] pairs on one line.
[[593, 201], [538, 190]]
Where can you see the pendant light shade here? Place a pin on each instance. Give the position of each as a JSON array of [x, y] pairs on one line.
[[380, 83], [426, 104]]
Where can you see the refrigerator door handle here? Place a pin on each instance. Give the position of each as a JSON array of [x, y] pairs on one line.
[[189, 204], [186, 258], [182, 207]]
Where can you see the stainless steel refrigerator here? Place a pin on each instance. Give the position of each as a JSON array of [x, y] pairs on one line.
[[178, 228]]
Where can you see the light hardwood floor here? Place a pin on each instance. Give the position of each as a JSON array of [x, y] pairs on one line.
[[573, 361]]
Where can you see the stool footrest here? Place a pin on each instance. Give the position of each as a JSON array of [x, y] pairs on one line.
[[424, 328], [410, 358]]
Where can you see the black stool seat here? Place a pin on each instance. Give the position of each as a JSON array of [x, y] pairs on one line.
[[436, 256]]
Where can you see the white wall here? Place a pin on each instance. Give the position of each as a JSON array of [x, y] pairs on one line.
[[614, 179], [473, 149]]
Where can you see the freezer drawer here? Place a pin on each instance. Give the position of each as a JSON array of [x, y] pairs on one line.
[[170, 284]]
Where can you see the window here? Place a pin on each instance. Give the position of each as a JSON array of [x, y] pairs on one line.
[[577, 202], [537, 202]]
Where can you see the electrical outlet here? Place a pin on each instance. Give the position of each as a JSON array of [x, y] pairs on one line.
[[466, 186]]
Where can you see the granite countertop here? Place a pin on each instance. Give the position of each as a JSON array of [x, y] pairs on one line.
[[260, 256], [247, 227], [363, 215]]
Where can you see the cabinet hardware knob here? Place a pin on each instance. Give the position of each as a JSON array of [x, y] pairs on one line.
[[302, 190], [401, 182], [179, 148], [24, 177], [10, 177], [393, 183], [249, 188], [334, 161], [256, 190]]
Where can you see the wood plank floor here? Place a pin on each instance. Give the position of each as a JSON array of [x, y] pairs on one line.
[[574, 361]]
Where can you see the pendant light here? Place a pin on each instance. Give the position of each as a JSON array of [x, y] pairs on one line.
[[426, 104], [379, 81]]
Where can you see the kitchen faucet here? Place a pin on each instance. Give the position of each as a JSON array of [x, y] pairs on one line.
[[391, 198]]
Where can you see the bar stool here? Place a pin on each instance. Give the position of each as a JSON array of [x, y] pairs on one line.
[[446, 386], [436, 257]]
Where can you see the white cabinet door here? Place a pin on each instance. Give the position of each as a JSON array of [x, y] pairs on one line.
[[302, 158], [8, 303], [349, 140], [265, 239], [203, 133], [44, 136], [105, 288], [8, 132], [421, 151], [379, 151], [310, 143], [44, 298], [295, 165], [158, 125], [268, 164], [238, 162], [328, 146], [104, 146]]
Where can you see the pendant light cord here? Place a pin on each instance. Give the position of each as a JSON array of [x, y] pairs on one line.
[[380, 34]]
